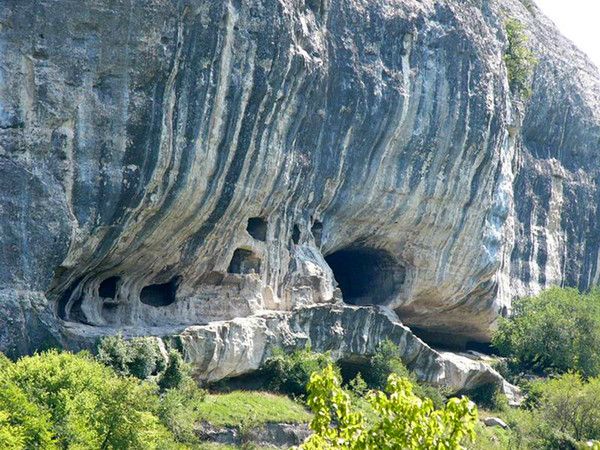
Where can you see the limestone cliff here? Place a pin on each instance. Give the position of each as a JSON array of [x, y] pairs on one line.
[[166, 164]]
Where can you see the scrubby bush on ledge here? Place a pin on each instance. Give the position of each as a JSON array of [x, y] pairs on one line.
[[138, 356], [519, 59]]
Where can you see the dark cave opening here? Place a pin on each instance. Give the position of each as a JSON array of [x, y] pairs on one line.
[[244, 262], [257, 228], [366, 276], [76, 313], [160, 294], [296, 235], [108, 288]]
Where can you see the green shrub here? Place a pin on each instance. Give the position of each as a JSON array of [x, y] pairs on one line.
[[180, 410], [403, 420], [489, 396], [556, 331], [139, 357], [84, 404], [290, 373], [176, 374], [387, 360], [570, 406], [519, 59]]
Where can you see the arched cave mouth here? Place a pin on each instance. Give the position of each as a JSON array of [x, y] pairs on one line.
[[366, 276], [160, 294], [108, 288]]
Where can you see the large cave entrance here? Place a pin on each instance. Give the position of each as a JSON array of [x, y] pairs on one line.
[[366, 276], [158, 295]]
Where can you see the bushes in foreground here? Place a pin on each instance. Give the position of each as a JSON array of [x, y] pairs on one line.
[[62, 400], [569, 407], [290, 373], [403, 419]]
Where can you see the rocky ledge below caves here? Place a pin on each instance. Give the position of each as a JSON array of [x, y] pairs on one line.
[[231, 348]]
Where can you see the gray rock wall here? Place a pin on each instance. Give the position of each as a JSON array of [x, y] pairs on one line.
[[166, 164]]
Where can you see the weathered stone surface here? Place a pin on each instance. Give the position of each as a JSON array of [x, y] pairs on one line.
[[276, 435], [494, 422], [239, 346], [169, 165]]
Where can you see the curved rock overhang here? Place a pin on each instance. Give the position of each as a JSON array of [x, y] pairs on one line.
[[168, 165]]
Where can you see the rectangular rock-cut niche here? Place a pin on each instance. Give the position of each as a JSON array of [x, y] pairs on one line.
[[244, 262], [257, 228], [158, 295]]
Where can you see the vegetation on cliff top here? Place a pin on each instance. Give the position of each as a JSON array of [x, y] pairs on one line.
[[519, 59]]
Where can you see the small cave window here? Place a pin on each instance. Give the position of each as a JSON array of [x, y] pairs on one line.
[[257, 228], [244, 262], [366, 276], [296, 234], [317, 232], [108, 288], [160, 294]]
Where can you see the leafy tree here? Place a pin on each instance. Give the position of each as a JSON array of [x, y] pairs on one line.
[[84, 404], [139, 356], [555, 331], [404, 420], [569, 407], [23, 424], [519, 59]]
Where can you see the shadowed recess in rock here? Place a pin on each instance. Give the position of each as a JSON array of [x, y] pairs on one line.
[[257, 228], [108, 288], [244, 262], [366, 276], [160, 294], [296, 234], [317, 232]]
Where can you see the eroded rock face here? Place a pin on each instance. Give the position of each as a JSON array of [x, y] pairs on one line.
[[348, 333], [170, 165]]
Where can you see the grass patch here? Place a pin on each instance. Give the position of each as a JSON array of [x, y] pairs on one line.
[[243, 407]]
